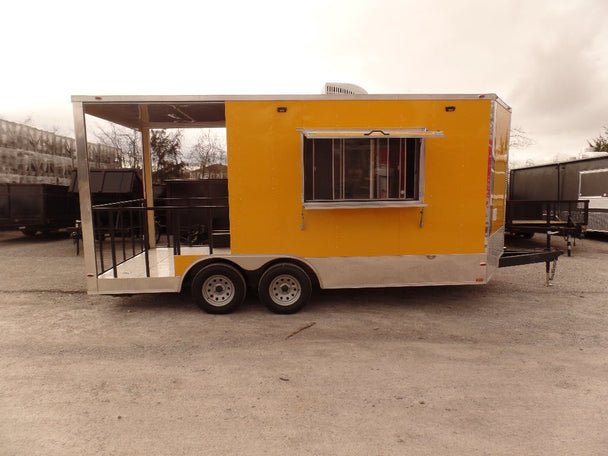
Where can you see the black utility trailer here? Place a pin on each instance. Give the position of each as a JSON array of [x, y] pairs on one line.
[[562, 184], [34, 208], [567, 218]]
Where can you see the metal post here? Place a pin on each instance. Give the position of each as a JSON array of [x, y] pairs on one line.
[[86, 212], [99, 234], [132, 218], [122, 233], [177, 248], [548, 263], [210, 230], [112, 242], [147, 242], [147, 165]]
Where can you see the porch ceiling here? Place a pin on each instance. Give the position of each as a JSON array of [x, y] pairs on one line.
[[160, 114]]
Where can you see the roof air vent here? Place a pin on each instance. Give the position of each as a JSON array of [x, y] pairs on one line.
[[342, 88]]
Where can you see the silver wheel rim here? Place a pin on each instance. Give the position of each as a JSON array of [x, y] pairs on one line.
[[284, 290], [218, 290]]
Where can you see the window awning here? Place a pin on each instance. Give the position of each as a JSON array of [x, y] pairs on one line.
[[371, 133]]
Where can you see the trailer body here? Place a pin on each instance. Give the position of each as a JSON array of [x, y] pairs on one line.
[[442, 235], [585, 179], [37, 207], [350, 190]]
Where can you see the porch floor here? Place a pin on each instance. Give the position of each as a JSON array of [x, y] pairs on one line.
[[160, 260]]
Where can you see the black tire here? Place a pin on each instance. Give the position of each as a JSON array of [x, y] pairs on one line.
[[285, 288], [218, 288]]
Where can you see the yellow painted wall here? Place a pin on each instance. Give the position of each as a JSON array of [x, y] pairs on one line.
[[265, 180]]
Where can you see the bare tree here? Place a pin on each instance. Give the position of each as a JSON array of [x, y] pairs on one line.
[[208, 150], [519, 139], [127, 141]]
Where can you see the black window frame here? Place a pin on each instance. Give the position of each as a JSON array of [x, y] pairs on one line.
[[325, 164]]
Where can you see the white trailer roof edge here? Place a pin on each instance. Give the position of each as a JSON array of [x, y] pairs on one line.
[[153, 99]]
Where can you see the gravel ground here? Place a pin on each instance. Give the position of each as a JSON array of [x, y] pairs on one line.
[[512, 367]]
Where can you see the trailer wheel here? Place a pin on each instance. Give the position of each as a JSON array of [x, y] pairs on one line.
[[285, 288], [218, 288]]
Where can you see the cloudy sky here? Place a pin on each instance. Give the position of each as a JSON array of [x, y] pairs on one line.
[[548, 59]]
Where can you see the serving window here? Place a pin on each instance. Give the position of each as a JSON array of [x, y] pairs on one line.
[[371, 168]]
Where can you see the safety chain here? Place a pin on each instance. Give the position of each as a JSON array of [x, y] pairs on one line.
[[551, 275]]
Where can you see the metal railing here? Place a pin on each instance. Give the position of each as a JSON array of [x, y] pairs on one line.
[[565, 216], [120, 229]]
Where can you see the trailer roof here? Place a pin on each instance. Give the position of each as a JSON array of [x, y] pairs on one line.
[[202, 111], [599, 158]]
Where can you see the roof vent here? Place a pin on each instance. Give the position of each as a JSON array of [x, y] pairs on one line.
[[342, 88]]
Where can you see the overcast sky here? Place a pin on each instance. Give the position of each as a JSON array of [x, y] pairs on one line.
[[548, 59]]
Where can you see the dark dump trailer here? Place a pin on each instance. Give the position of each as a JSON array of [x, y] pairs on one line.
[[109, 188], [42, 208], [206, 217], [34, 208], [111, 185], [577, 190]]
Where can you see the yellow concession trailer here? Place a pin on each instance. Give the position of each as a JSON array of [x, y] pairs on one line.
[[334, 191]]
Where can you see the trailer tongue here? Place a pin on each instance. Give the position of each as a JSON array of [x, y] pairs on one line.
[[521, 257], [548, 255]]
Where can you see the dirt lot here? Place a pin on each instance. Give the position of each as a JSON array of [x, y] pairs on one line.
[[512, 367]]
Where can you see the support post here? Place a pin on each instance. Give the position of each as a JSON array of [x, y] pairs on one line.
[[147, 165], [84, 190]]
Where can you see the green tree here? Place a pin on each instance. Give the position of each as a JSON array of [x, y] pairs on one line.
[[600, 144], [167, 160]]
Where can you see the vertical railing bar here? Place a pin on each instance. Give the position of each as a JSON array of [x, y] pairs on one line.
[[372, 182], [99, 236], [167, 226], [146, 240], [388, 174], [170, 229], [402, 182], [342, 146], [177, 247], [333, 172], [210, 224], [132, 228], [112, 242], [313, 170], [142, 238], [121, 218]]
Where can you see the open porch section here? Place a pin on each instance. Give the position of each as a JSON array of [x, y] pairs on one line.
[[151, 271], [126, 259]]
